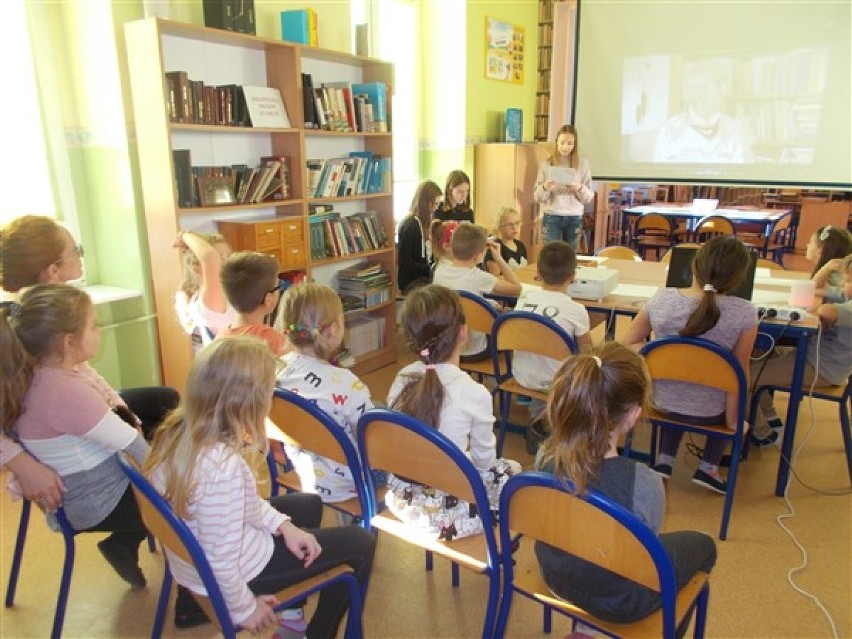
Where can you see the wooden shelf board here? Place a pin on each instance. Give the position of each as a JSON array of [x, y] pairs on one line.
[[374, 360], [345, 134], [221, 128], [204, 210], [363, 311], [347, 198], [352, 256]]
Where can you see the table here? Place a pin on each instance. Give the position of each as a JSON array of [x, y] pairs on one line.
[[637, 281], [767, 217]]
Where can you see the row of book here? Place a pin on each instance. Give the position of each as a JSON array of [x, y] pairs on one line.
[[359, 173], [344, 107], [193, 102], [364, 335], [235, 184], [334, 235], [364, 284]]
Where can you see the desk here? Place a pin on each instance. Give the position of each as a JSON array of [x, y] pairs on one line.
[[637, 281], [768, 217]]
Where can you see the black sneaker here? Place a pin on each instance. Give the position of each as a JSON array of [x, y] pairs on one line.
[[775, 423], [763, 442], [123, 561], [711, 482], [188, 613], [663, 470]]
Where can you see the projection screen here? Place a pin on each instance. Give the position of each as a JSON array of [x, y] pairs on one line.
[[716, 91]]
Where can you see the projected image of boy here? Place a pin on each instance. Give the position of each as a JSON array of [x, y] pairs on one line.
[[703, 132]]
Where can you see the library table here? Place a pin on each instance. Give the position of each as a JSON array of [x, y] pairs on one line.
[[638, 281], [691, 215]]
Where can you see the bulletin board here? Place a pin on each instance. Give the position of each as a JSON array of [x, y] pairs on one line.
[[504, 51]]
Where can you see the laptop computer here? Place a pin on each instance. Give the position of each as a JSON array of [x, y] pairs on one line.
[[680, 272]]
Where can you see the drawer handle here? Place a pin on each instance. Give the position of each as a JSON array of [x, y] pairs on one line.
[[268, 231]]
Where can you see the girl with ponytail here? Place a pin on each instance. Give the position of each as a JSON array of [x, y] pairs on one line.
[[437, 392], [595, 399], [704, 310]]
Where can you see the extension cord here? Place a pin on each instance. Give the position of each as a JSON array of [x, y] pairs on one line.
[[783, 313]]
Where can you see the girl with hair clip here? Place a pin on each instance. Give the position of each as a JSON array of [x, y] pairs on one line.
[[201, 304], [595, 399], [35, 249], [437, 392], [312, 317], [562, 204], [704, 310], [65, 420], [826, 248], [512, 250], [441, 235], [412, 246], [201, 461], [456, 199]]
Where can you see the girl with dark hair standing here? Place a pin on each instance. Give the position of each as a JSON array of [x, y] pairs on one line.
[[456, 199]]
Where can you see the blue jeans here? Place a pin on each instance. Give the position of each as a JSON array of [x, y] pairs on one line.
[[562, 227]]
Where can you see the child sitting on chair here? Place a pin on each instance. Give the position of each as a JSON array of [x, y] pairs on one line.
[[468, 246], [251, 284], [438, 393], [595, 399]]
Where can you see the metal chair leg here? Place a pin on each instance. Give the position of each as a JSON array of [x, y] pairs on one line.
[[19, 553]]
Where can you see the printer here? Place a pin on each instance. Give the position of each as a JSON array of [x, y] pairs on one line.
[[593, 283]]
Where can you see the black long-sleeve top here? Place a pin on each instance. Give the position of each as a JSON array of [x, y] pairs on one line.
[[412, 261]]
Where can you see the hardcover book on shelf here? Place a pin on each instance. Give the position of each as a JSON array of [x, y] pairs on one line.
[[185, 193], [300, 25], [281, 177], [377, 92], [232, 15], [514, 125], [308, 102], [266, 108]]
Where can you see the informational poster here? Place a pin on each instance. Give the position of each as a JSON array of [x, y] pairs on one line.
[[504, 51]]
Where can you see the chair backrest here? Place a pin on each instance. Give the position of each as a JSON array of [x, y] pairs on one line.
[[304, 424], [675, 359], [762, 262], [530, 333], [479, 314], [398, 443], [715, 225], [667, 256], [174, 534], [590, 526], [619, 253], [654, 222]]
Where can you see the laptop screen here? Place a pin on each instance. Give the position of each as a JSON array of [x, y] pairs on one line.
[[680, 272]]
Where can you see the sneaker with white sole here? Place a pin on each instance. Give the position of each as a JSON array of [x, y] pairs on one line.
[[763, 442], [710, 481], [663, 470]]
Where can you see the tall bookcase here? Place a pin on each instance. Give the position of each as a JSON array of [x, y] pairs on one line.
[[156, 46], [545, 55]]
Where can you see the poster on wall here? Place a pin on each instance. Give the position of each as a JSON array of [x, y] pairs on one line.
[[504, 51]]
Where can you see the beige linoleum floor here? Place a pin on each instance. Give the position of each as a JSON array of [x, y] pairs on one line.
[[750, 596]]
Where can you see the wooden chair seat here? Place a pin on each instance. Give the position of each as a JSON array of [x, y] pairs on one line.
[[290, 481], [485, 367], [721, 429], [512, 386], [528, 580]]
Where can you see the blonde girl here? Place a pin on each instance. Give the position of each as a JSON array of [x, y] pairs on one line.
[[437, 392], [201, 304], [456, 199], [512, 250], [562, 202], [595, 399], [312, 317], [826, 248], [199, 463], [64, 418]]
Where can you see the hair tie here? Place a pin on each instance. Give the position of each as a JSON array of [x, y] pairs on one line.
[[709, 288], [823, 234], [424, 352], [15, 309], [598, 361], [449, 229], [431, 367]]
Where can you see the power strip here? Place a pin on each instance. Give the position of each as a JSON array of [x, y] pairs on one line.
[[783, 313]]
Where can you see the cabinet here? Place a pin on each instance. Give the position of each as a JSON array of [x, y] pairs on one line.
[[504, 175], [216, 57]]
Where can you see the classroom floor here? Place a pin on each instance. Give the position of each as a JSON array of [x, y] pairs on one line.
[[750, 596]]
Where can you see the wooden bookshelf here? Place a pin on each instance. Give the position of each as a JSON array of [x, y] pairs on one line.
[[545, 53], [280, 228]]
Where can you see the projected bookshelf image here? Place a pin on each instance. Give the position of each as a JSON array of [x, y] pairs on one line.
[[763, 109]]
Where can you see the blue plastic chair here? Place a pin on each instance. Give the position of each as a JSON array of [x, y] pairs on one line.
[[480, 315], [174, 535], [530, 333], [541, 507], [699, 361], [68, 534], [397, 443], [305, 425]]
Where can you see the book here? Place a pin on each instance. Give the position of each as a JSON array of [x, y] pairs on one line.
[[281, 177], [183, 178], [562, 174], [377, 93], [232, 15], [514, 122], [265, 107], [308, 104], [300, 25]]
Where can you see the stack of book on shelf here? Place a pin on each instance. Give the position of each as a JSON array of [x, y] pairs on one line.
[[193, 102], [235, 184], [358, 174], [365, 284], [364, 335], [344, 107], [334, 235]]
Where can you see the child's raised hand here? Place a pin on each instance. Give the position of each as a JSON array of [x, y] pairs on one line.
[[263, 616], [302, 544], [494, 248]]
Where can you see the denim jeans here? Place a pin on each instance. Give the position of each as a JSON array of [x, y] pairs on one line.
[[562, 227]]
